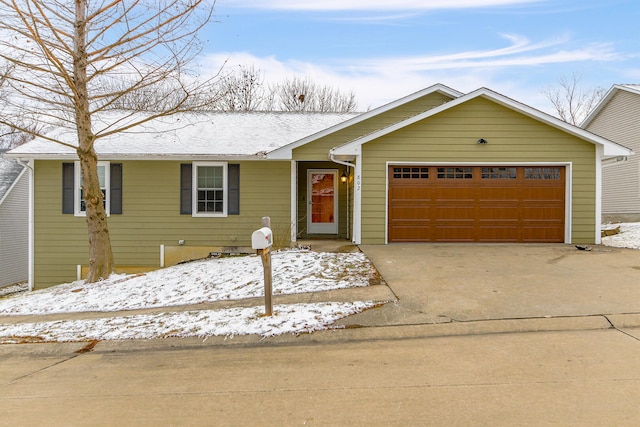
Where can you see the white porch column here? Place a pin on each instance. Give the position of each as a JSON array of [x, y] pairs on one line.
[[599, 158], [294, 201], [357, 201]]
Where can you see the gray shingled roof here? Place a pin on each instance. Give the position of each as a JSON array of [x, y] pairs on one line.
[[9, 172]]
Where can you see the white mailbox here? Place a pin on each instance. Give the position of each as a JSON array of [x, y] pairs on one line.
[[262, 239]]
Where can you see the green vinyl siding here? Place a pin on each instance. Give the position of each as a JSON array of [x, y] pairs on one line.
[[451, 137], [319, 149], [151, 216]]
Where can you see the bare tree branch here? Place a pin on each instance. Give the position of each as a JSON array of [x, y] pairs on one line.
[[571, 102], [243, 89], [298, 94]]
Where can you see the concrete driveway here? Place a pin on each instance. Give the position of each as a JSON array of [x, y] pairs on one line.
[[441, 283]]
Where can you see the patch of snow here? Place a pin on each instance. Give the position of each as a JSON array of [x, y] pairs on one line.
[[286, 319], [294, 271], [629, 236], [13, 289], [220, 279]]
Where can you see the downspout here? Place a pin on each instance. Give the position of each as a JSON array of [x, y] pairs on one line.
[[30, 222], [351, 165], [599, 165]]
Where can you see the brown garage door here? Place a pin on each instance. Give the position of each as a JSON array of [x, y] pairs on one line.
[[476, 204]]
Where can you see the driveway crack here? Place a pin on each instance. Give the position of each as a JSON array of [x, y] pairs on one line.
[[87, 348], [620, 330]]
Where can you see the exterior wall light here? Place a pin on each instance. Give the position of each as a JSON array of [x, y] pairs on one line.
[[482, 141], [344, 178]]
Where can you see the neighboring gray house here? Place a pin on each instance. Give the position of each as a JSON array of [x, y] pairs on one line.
[[617, 118], [14, 222]]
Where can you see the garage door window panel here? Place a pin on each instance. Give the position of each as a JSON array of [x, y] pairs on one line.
[[455, 173], [499, 173], [410, 173], [542, 173]]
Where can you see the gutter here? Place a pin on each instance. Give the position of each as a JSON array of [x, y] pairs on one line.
[[30, 226], [138, 156], [340, 162]]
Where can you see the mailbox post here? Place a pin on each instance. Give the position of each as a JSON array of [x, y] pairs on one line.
[[262, 240]]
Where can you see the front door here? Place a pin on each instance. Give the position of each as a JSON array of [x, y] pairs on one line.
[[322, 208]]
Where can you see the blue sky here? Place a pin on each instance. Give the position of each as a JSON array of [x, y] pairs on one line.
[[385, 49]]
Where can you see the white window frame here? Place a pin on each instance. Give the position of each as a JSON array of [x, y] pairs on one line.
[[194, 190], [77, 183]]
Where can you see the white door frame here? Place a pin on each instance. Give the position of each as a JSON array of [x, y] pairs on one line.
[[329, 228]]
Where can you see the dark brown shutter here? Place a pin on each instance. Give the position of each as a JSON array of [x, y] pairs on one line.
[[67, 188], [116, 188], [185, 189], [233, 183]]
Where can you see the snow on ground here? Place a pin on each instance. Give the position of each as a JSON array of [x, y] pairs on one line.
[[291, 318], [629, 236], [211, 280], [294, 271], [13, 289]]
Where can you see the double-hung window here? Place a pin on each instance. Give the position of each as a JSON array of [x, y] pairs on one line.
[[110, 177], [210, 193], [209, 189], [80, 208]]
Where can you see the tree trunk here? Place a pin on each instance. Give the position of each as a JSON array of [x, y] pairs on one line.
[[100, 253]]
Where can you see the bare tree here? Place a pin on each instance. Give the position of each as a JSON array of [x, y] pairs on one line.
[[69, 58], [243, 89], [160, 97], [9, 136], [239, 89], [571, 102], [294, 94], [298, 94]]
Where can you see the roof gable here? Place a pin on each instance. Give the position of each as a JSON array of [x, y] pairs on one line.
[[631, 88], [610, 148], [286, 151]]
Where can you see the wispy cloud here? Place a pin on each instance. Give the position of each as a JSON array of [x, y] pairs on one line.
[[385, 19], [382, 79], [520, 52], [332, 5]]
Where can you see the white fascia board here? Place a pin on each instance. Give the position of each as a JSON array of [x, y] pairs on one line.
[[286, 152], [610, 148]]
